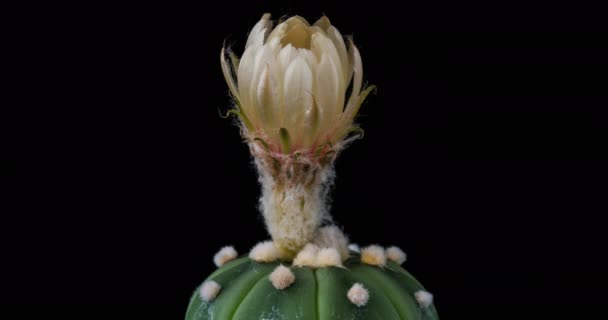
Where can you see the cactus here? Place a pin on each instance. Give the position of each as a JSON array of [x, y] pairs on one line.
[[247, 292], [290, 99]]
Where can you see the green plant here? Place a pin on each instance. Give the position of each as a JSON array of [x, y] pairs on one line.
[[290, 89]]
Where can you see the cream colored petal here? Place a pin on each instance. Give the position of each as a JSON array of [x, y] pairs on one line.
[[297, 35], [336, 38], [287, 55], [357, 82], [245, 81], [298, 19], [259, 31], [227, 70], [323, 23], [265, 98], [280, 31], [275, 44], [262, 59], [310, 58], [276, 80], [267, 92], [244, 77], [297, 90], [277, 33], [321, 45], [351, 59], [327, 91], [312, 124]]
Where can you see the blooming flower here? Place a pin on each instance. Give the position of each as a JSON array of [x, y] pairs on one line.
[[290, 90], [290, 84]]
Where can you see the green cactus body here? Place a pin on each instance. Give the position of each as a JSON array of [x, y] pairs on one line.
[[316, 294], [297, 89]]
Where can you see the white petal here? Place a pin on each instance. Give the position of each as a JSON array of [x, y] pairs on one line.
[[297, 92], [259, 31], [245, 79], [263, 57], [287, 55], [266, 99], [351, 60], [298, 34], [321, 44], [277, 33], [297, 19], [280, 31], [336, 38], [312, 124], [327, 91], [357, 82], [310, 58], [227, 70], [323, 23]]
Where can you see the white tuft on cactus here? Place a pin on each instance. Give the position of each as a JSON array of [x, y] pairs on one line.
[[354, 247], [264, 252], [307, 257], [282, 277], [332, 237], [328, 257], [396, 254], [373, 255], [424, 298], [358, 295], [209, 290], [225, 255]]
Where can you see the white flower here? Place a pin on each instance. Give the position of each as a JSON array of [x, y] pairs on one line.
[[290, 90], [291, 82]]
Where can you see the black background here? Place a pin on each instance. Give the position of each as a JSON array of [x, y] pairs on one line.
[[483, 156]]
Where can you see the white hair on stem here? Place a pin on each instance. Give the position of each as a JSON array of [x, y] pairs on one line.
[[307, 257], [424, 298], [354, 247], [373, 255], [328, 257], [358, 295], [282, 277], [396, 254], [332, 237], [226, 254], [294, 211], [264, 252], [209, 290]]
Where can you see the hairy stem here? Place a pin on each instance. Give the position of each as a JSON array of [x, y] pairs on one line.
[[292, 214], [294, 200]]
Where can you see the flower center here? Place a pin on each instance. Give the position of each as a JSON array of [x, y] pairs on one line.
[[298, 35]]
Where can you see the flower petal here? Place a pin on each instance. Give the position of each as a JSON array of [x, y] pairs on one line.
[[323, 23], [327, 91], [259, 31], [266, 99], [297, 88], [287, 55], [245, 81], [321, 44], [310, 58], [312, 121], [227, 71], [357, 82], [338, 41], [297, 35]]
